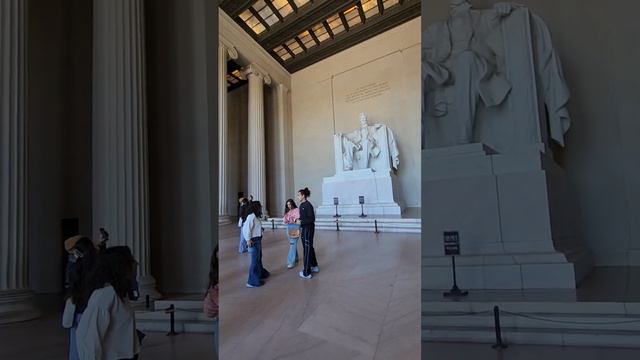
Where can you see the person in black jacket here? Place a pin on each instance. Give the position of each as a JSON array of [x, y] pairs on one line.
[[307, 227], [243, 212]]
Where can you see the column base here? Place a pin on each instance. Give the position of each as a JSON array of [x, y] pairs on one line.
[[147, 286], [17, 305], [225, 220]]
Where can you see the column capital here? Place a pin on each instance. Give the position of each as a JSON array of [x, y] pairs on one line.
[[228, 50], [253, 69], [283, 88]]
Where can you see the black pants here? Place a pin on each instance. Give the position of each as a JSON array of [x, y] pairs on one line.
[[310, 260]]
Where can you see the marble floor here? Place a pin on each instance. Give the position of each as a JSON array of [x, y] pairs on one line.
[[364, 303], [45, 339]]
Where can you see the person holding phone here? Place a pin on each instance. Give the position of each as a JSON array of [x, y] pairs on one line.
[[252, 232], [291, 216]]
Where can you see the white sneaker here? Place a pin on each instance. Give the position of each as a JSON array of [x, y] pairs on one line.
[[315, 269], [301, 274]]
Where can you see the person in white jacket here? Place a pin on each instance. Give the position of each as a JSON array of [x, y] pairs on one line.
[[107, 329], [252, 232]]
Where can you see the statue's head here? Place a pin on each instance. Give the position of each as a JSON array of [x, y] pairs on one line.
[[363, 119]]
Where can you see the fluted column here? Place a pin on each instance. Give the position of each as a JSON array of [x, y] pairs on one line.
[[16, 300], [224, 52], [257, 182], [120, 170], [282, 124]]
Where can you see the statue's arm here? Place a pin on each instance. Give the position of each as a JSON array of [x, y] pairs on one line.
[[436, 49]]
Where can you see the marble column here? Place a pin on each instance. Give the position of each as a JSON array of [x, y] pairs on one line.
[[120, 169], [16, 300], [224, 53], [257, 175], [282, 125]]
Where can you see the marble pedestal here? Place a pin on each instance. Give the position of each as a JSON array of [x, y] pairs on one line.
[[377, 187], [514, 215]]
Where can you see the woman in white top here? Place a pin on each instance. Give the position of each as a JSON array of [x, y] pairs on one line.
[[107, 329], [252, 232]]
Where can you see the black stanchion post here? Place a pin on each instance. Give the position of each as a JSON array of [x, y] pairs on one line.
[[361, 200], [172, 320], [337, 226], [273, 224], [376, 224], [496, 317], [452, 247], [147, 301]]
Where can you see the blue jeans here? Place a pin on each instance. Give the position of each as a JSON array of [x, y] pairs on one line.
[[256, 271], [292, 258], [242, 246], [73, 345]]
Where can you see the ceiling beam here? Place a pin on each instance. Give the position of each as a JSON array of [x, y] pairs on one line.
[[381, 7], [305, 18], [394, 16], [344, 21], [293, 5], [233, 8], [289, 50], [328, 28], [262, 21], [274, 10], [363, 18], [313, 35], [304, 48]]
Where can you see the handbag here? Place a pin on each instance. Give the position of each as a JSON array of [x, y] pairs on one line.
[[68, 314]]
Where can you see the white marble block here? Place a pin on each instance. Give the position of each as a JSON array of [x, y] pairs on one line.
[[377, 187], [500, 206]]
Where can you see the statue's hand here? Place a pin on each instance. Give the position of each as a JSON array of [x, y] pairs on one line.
[[503, 8]]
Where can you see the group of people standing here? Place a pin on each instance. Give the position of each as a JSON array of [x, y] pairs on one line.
[[100, 283], [300, 223]]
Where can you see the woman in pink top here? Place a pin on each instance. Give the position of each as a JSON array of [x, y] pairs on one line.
[[291, 216]]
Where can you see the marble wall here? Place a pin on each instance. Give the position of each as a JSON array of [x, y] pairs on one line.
[[381, 77], [596, 43]]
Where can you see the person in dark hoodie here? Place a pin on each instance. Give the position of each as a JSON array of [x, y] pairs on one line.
[[243, 212], [307, 226]]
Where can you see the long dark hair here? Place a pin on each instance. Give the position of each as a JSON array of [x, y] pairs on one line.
[[114, 267], [213, 268], [79, 274], [293, 205], [255, 208], [306, 192], [245, 210]]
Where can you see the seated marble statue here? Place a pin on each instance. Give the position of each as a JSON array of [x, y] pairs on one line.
[[370, 147], [465, 66]]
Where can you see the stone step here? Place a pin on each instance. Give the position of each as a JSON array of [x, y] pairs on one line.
[[358, 224], [544, 323], [591, 338], [179, 304], [188, 318], [576, 322]]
